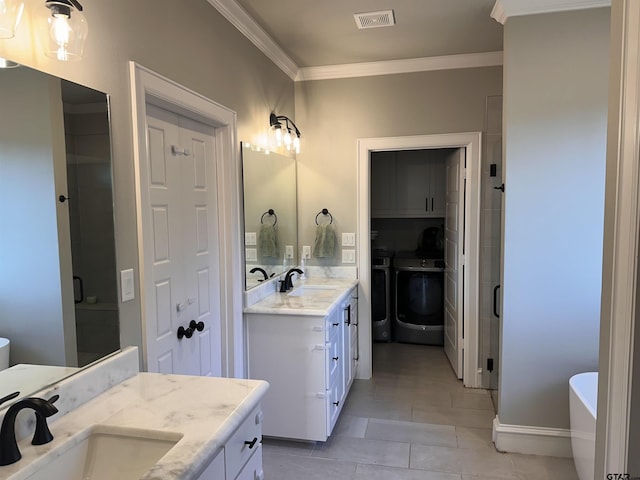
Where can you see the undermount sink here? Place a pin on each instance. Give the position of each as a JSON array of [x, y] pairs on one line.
[[310, 289], [107, 453]]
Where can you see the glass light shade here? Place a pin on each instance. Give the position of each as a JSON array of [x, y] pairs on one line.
[[287, 140], [10, 14], [64, 31], [278, 136], [296, 144]]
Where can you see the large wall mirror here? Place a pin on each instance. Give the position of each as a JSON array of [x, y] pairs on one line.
[[58, 288], [270, 214]]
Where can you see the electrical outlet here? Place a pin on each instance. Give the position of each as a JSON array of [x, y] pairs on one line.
[[250, 238], [251, 254], [348, 239], [126, 285], [288, 251], [348, 256], [306, 252]]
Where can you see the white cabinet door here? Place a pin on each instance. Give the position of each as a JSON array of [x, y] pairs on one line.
[[383, 184], [414, 198], [438, 183], [179, 236], [420, 186]]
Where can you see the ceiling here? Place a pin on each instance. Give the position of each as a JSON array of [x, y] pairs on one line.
[[319, 33], [315, 39]]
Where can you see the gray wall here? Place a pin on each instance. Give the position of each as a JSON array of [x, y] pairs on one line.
[[333, 114], [191, 44], [555, 114]]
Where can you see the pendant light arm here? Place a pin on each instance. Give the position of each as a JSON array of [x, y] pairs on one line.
[[276, 119]]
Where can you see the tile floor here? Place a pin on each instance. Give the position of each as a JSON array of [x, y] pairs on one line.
[[413, 421]]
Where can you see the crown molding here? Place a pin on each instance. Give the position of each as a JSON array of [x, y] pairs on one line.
[[240, 19], [471, 60], [503, 9]]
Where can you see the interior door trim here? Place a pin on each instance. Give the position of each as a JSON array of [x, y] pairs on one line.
[[472, 142], [148, 87]]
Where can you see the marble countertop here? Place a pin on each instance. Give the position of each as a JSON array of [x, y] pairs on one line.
[[204, 410], [317, 303], [27, 378]]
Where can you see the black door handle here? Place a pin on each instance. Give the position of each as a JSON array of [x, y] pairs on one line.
[[495, 301], [184, 332], [199, 326], [348, 309]]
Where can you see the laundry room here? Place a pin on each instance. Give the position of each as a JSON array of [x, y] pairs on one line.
[[408, 226]]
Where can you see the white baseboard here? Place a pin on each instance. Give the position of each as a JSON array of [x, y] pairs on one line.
[[554, 442]]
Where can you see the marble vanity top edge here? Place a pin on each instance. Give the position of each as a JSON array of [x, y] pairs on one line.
[[313, 305], [204, 410]]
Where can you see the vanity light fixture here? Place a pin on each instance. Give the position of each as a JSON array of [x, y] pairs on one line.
[[10, 14], [65, 29], [287, 138]]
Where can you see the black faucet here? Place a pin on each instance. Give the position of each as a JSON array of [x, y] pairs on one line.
[[287, 283], [258, 269], [9, 452]]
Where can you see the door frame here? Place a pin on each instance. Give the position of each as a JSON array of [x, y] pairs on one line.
[[472, 141], [148, 87]]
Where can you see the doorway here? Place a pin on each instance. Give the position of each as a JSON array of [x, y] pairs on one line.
[[471, 143]]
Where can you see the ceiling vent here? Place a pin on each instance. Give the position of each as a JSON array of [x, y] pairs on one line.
[[383, 18]]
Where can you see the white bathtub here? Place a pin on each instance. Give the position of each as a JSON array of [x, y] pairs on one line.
[[583, 396], [4, 353]]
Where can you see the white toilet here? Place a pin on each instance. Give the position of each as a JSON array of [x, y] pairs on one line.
[[4, 353]]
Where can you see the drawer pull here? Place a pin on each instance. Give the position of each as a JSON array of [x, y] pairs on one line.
[[251, 443], [336, 358], [335, 324], [336, 403]]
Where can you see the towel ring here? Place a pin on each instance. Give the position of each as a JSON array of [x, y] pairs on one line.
[[324, 211], [270, 212]]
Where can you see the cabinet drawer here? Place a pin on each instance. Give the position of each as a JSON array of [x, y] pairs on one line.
[[334, 362], [243, 443], [253, 469], [334, 405], [332, 327]]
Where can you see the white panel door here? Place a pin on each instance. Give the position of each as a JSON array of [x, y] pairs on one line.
[[180, 244], [454, 268], [200, 247]]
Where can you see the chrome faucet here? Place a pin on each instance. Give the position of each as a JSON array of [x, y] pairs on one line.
[[287, 283], [258, 269], [9, 452]]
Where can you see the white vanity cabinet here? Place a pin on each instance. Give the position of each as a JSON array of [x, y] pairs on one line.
[[309, 363], [241, 456]]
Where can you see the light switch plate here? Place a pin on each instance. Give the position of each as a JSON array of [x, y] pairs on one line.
[[126, 285], [306, 252], [348, 256], [250, 238], [348, 239], [288, 251], [251, 254]]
